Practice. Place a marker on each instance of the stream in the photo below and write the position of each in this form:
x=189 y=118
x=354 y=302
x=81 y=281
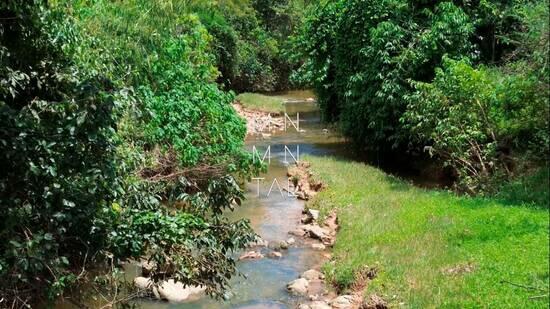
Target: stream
x=262 y=283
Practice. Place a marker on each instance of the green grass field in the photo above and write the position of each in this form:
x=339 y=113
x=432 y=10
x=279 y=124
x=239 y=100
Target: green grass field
x=260 y=102
x=433 y=249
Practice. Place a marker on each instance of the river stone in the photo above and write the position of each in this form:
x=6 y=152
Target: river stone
x=313 y=213
x=291 y=241
x=304 y=306
x=313 y=297
x=318 y=246
x=320 y=305
x=275 y=255
x=317 y=232
x=312 y=274
x=251 y=255
x=260 y=242
x=342 y=302
x=143 y=283
x=298 y=286
x=298 y=232
x=283 y=245
x=176 y=292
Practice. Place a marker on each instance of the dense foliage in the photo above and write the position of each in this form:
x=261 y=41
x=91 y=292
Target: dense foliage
x=378 y=68
x=250 y=38
x=116 y=143
x=57 y=152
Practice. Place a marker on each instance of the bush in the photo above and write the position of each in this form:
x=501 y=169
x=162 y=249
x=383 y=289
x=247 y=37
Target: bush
x=57 y=150
x=100 y=133
x=359 y=56
x=378 y=70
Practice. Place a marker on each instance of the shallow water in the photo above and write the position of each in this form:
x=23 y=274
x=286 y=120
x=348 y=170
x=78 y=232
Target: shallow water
x=262 y=283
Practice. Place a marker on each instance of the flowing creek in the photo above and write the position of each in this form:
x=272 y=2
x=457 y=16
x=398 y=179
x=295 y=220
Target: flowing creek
x=262 y=282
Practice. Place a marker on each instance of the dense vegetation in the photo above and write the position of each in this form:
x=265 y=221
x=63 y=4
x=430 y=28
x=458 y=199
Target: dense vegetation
x=250 y=39
x=465 y=80
x=431 y=249
x=118 y=143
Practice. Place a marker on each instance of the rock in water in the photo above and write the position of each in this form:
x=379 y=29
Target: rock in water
x=259 y=242
x=312 y=274
x=298 y=286
x=298 y=232
x=143 y=283
x=275 y=255
x=290 y=241
x=175 y=292
x=283 y=245
x=169 y=290
x=319 y=305
x=251 y=255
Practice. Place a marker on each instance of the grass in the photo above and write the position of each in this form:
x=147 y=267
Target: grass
x=260 y=102
x=414 y=236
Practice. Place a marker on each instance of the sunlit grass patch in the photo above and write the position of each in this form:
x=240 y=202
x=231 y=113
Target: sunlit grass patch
x=432 y=248
x=261 y=102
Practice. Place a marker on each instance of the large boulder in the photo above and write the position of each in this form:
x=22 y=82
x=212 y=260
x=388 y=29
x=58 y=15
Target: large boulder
x=298 y=286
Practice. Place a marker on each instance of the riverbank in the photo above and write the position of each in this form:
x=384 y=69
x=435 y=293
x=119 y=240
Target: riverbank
x=427 y=248
x=261 y=103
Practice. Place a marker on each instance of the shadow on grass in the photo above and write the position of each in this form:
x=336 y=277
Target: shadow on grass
x=532 y=190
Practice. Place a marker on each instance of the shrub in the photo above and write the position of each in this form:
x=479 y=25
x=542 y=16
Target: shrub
x=57 y=150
